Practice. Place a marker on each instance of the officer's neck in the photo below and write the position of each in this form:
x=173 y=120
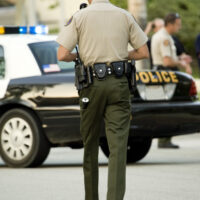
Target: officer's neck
x=169 y=30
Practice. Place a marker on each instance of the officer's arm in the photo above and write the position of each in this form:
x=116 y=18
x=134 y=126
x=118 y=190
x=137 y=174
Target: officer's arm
x=65 y=55
x=138 y=54
x=169 y=62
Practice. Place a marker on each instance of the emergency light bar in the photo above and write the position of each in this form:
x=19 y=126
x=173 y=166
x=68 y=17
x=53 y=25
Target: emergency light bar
x=40 y=29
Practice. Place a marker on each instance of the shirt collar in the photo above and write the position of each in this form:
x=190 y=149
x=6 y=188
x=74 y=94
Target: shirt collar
x=165 y=31
x=100 y=1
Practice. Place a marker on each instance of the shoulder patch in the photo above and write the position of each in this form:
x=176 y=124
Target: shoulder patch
x=166 y=42
x=69 y=21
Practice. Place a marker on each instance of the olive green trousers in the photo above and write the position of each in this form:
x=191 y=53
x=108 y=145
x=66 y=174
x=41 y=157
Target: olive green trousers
x=109 y=100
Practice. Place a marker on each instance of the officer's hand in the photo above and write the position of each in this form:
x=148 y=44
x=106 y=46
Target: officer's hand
x=186 y=58
x=188 y=69
x=182 y=64
x=148 y=27
x=186 y=66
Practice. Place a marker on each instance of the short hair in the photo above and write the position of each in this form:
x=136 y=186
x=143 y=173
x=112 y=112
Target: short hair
x=157 y=22
x=171 y=18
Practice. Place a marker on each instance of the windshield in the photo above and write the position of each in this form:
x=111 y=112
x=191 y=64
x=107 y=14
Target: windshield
x=45 y=54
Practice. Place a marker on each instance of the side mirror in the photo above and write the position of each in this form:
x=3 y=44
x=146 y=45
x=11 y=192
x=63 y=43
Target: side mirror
x=1 y=54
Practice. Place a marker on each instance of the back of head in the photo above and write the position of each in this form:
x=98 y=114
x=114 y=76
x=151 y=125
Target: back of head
x=171 y=18
x=158 y=23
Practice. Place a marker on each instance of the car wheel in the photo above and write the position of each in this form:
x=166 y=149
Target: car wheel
x=136 y=149
x=22 y=142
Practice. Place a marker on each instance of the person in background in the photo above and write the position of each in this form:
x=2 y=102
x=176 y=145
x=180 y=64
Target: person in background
x=165 y=57
x=197 y=47
x=154 y=26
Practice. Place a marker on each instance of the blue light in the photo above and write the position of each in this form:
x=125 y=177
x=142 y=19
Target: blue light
x=40 y=29
x=23 y=29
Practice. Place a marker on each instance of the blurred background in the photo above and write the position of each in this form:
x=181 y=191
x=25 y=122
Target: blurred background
x=55 y=14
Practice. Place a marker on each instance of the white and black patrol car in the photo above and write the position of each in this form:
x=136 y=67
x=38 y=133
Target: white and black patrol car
x=39 y=103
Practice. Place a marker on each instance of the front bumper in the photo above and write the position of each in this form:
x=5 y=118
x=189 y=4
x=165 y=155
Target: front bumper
x=165 y=119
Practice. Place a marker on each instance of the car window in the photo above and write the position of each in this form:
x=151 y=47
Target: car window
x=45 y=54
x=2 y=63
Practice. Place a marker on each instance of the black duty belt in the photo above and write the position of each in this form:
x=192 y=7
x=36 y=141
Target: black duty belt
x=101 y=70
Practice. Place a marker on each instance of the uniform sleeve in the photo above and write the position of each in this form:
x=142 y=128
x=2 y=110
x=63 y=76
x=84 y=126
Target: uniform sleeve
x=137 y=38
x=165 y=47
x=68 y=37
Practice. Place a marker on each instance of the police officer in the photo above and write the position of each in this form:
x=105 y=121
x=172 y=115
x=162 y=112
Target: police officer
x=154 y=26
x=163 y=49
x=164 y=54
x=158 y=24
x=102 y=32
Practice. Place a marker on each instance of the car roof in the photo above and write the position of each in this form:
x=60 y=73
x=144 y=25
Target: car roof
x=23 y=63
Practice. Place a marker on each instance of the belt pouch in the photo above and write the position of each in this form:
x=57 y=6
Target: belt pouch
x=100 y=71
x=118 y=68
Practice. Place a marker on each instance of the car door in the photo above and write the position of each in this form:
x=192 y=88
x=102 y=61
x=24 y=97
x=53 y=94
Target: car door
x=58 y=103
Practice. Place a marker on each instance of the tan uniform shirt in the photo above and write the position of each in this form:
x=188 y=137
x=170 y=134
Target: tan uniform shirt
x=162 y=44
x=102 y=32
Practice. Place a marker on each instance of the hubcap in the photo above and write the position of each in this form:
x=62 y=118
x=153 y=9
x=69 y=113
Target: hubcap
x=16 y=138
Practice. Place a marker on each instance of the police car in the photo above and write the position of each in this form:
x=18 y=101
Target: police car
x=39 y=103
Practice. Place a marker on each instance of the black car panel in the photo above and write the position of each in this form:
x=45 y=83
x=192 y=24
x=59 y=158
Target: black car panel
x=38 y=92
x=55 y=100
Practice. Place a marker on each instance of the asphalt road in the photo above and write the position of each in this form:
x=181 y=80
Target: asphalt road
x=162 y=175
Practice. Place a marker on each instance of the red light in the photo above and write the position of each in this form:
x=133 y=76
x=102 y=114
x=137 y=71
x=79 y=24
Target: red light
x=193 y=89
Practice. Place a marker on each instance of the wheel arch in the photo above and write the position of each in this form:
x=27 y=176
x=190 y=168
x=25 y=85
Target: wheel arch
x=11 y=105
x=23 y=105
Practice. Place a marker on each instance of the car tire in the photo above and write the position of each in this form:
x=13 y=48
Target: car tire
x=22 y=141
x=136 y=149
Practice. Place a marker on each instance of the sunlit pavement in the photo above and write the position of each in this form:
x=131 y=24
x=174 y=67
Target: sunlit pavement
x=162 y=175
